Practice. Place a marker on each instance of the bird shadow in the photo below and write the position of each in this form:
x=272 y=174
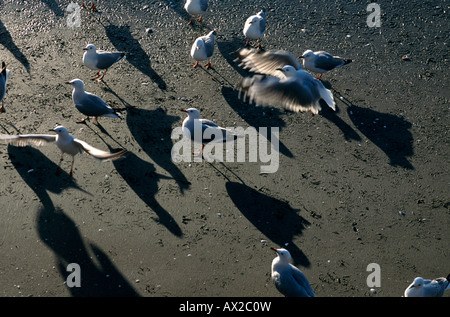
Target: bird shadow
x=276 y=219
x=123 y=40
x=142 y=178
x=55 y=7
x=257 y=116
x=60 y=233
x=227 y=50
x=389 y=132
x=7 y=41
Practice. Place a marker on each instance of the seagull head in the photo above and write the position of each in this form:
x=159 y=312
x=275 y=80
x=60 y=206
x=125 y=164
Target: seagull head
x=90 y=48
x=192 y=113
x=307 y=54
x=60 y=130
x=283 y=254
x=76 y=83
x=199 y=43
x=417 y=283
x=254 y=20
x=288 y=70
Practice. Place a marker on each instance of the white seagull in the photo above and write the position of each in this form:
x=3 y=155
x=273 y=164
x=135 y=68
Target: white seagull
x=254 y=27
x=66 y=142
x=322 y=62
x=4 y=76
x=89 y=104
x=265 y=62
x=295 y=90
x=193 y=125
x=288 y=279
x=421 y=287
x=100 y=60
x=196 y=7
x=203 y=49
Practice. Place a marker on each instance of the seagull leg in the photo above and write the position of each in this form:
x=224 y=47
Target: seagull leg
x=96 y=120
x=208 y=65
x=71 y=167
x=192 y=18
x=320 y=76
x=259 y=44
x=58 y=170
x=93 y=7
x=200 y=152
x=83 y=5
x=195 y=64
x=247 y=43
x=200 y=18
x=2 y=109
x=83 y=120
x=96 y=76
x=101 y=77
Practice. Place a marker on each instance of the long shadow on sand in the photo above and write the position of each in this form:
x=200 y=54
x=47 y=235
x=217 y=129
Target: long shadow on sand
x=256 y=116
x=152 y=130
x=60 y=233
x=7 y=41
x=55 y=7
x=389 y=132
x=123 y=40
x=278 y=221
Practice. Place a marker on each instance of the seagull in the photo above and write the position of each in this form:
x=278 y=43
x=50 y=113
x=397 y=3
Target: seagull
x=92 y=7
x=203 y=49
x=90 y=104
x=100 y=60
x=196 y=7
x=265 y=62
x=66 y=142
x=288 y=279
x=421 y=287
x=254 y=27
x=4 y=75
x=322 y=62
x=193 y=125
x=295 y=90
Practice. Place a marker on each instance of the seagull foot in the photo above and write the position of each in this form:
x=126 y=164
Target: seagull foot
x=199 y=19
x=195 y=64
x=208 y=65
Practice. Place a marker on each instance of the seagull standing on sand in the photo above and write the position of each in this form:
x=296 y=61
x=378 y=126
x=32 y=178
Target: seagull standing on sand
x=66 y=142
x=4 y=75
x=421 y=287
x=196 y=7
x=193 y=125
x=89 y=104
x=288 y=279
x=100 y=60
x=295 y=90
x=265 y=62
x=203 y=49
x=254 y=27
x=322 y=62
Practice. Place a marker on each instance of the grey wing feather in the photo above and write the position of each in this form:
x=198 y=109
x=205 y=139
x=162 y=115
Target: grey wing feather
x=92 y=105
x=28 y=139
x=266 y=62
x=327 y=61
x=204 y=5
x=290 y=94
x=99 y=154
x=107 y=59
x=303 y=281
x=209 y=47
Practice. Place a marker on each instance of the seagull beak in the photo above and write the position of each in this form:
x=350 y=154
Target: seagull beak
x=301 y=56
x=84 y=49
x=273 y=249
x=280 y=69
x=67 y=82
x=184 y=110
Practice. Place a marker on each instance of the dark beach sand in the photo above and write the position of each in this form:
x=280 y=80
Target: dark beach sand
x=368 y=183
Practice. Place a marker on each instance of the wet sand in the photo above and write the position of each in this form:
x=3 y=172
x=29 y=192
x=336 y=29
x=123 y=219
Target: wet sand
x=366 y=184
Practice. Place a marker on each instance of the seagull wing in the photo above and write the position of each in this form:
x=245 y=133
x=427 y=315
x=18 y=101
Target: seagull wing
x=327 y=62
x=266 y=62
x=28 y=139
x=98 y=154
x=107 y=59
x=302 y=281
x=289 y=93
